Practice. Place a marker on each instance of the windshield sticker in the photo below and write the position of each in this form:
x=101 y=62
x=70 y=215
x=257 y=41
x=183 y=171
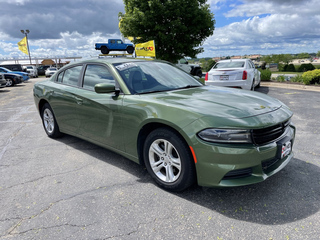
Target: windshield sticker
x=125 y=66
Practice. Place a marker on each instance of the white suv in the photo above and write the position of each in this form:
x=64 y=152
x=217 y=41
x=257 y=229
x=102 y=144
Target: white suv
x=32 y=71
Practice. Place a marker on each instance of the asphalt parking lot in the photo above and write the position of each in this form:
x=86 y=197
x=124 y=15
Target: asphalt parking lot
x=72 y=189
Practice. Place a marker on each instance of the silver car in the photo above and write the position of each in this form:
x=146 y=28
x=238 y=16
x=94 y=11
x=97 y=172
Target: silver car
x=239 y=73
x=50 y=71
x=32 y=71
x=3 y=81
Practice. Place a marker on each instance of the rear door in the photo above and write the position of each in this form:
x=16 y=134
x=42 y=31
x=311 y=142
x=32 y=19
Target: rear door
x=64 y=100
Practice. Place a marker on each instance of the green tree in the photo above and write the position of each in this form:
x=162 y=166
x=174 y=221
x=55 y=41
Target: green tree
x=178 y=27
x=318 y=54
x=277 y=58
x=303 y=55
x=207 y=64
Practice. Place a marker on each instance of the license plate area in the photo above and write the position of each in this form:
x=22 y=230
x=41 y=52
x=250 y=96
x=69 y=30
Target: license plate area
x=224 y=77
x=284 y=147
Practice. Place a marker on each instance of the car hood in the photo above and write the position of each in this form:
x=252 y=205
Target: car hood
x=12 y=74
x=19 y=73
x=217 y=101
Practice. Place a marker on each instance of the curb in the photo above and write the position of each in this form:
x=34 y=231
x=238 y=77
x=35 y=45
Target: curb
x=290 y=86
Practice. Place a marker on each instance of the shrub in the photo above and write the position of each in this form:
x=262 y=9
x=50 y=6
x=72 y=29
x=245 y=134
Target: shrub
x=289 y=68
x=281 y=78
x=265 y=74
x=306 y=67
x=311 y=77
x=281 y=67
x=297 y=78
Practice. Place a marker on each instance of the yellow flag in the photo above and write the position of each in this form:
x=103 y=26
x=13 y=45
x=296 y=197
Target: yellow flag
x=23 y=45
x=146 y=49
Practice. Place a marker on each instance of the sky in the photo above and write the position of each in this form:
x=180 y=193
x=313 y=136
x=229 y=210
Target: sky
x=70 y=28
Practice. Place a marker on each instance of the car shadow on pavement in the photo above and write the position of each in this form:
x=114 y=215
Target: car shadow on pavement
x=288 y=196
x=264 y=90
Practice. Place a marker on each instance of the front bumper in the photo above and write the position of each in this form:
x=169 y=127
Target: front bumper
x=226 y=165
x=3 y=83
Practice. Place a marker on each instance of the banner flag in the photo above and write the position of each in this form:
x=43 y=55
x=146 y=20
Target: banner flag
x=23 y=45
x=146 y=49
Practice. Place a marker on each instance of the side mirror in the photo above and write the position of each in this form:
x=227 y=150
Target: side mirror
x=104 y=88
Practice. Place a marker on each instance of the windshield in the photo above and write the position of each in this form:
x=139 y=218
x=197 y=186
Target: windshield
x=146 y=77
x=237 y=64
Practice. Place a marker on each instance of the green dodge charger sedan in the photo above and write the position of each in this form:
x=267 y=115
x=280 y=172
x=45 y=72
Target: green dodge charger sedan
x=159 y=116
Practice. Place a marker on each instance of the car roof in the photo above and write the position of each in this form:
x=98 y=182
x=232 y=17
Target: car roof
x=113 y=60
x=234 y=60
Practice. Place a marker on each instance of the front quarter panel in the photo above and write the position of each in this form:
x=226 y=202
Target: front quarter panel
x=137 y=113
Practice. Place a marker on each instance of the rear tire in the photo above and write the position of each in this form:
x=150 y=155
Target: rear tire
x=252 y=86
x=49 y=122
x=104 y=50
x=168 y=160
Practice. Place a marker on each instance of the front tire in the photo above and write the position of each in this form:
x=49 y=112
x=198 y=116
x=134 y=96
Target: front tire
x=130 y=50
x=9 y=82
x=49 y=122
x=168 y=160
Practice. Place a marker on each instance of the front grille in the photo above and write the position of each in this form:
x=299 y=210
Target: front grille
x=239 y=173
x=269 y=134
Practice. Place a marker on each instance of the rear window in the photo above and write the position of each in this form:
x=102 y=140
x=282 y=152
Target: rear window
x=237 y=64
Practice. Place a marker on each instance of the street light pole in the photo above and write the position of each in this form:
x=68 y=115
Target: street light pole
x=26 y=33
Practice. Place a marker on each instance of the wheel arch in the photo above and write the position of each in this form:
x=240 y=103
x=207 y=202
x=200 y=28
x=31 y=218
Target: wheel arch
x=148 y=128
x=41 y=103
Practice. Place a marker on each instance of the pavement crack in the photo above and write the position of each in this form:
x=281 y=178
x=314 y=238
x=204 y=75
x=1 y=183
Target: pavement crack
x=47 y=176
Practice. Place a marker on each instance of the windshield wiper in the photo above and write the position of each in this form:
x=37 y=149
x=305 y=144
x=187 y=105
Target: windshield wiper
x=155 y=91
x=188 y=86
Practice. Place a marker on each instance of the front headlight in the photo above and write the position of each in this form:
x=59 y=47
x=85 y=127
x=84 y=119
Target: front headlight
x=225 y=135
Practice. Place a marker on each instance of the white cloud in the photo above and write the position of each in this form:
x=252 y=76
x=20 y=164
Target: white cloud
x=289 y=27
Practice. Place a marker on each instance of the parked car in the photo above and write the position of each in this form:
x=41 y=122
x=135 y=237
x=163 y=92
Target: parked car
x=239 y=73
x=3 y=82
x=42 y=69
x=32 y=71
x=24 y=75
x=50 y=71
x=193 y=69
x=162 y=117
x=11 y=78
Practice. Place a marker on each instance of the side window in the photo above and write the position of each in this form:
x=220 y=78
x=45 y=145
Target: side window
x=71 y=76
x=96 y=74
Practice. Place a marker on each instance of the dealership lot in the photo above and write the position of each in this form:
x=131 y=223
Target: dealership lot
x=72 y=189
